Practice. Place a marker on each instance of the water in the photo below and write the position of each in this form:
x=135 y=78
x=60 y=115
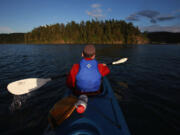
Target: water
x=147 y=86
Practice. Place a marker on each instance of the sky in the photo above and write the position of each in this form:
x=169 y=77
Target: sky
x=147 y=15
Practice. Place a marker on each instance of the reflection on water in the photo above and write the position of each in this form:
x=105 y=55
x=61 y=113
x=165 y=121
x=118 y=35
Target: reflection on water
x=147 y=86
x=17 y=102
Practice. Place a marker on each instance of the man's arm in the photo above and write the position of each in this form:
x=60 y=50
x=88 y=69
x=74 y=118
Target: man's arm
x=71 y=78
x=103 y=69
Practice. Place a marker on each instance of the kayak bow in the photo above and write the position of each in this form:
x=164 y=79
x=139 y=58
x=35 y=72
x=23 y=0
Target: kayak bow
x=103 y=116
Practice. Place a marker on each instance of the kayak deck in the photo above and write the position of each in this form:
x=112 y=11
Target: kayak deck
x=103 y=116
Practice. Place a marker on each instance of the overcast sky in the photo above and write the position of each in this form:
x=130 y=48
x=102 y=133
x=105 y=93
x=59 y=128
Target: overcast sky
x=148 y=15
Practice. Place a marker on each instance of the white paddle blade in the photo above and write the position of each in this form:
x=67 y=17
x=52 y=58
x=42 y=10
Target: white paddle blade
x=120 y=61
x=26 y=85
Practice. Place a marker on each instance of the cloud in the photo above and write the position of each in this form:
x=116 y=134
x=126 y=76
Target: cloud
x=149 y=14
x=158 y=28
x=165 y=18
x=152 y=15
x=133 y=17
x=96 y=11
x=95 y=5
x=153 y=20
x=5 y=30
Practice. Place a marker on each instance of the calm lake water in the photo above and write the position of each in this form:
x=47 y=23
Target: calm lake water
x=147 y=86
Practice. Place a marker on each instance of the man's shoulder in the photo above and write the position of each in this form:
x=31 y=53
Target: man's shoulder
x=75 y=66
x=101 y=65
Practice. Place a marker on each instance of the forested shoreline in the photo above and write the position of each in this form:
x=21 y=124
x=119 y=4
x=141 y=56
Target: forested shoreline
x=163 y=37
x=94 y=31
x=12 y=38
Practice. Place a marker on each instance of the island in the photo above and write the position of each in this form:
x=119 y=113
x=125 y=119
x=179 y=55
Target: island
x=90 y=32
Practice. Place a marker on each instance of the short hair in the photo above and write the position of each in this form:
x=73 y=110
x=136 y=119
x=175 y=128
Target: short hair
x=89 y=51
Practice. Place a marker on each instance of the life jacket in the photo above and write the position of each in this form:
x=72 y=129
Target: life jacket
x=88 y=78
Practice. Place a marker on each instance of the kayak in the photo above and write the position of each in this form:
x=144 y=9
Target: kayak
x=103 y=116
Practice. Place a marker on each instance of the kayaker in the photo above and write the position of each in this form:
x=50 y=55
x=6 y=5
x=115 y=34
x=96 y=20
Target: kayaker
x=85 y=77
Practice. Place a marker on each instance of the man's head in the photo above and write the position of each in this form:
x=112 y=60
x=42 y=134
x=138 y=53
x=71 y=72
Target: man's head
x=89 y=51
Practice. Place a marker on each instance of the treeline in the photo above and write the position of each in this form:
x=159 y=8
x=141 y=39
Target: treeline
x=98 y=32
x=163 y=37
x=12 y=38
x=94 y=31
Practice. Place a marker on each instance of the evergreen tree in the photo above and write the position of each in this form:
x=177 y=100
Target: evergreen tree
x=94 y=31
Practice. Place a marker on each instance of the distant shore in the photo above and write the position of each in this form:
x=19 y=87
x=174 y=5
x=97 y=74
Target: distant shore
x=85 y=32
x=113 y=32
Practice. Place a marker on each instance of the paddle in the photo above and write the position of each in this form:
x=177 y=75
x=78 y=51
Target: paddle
x=62 y=110
x=25 y=86
x=118 y=61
